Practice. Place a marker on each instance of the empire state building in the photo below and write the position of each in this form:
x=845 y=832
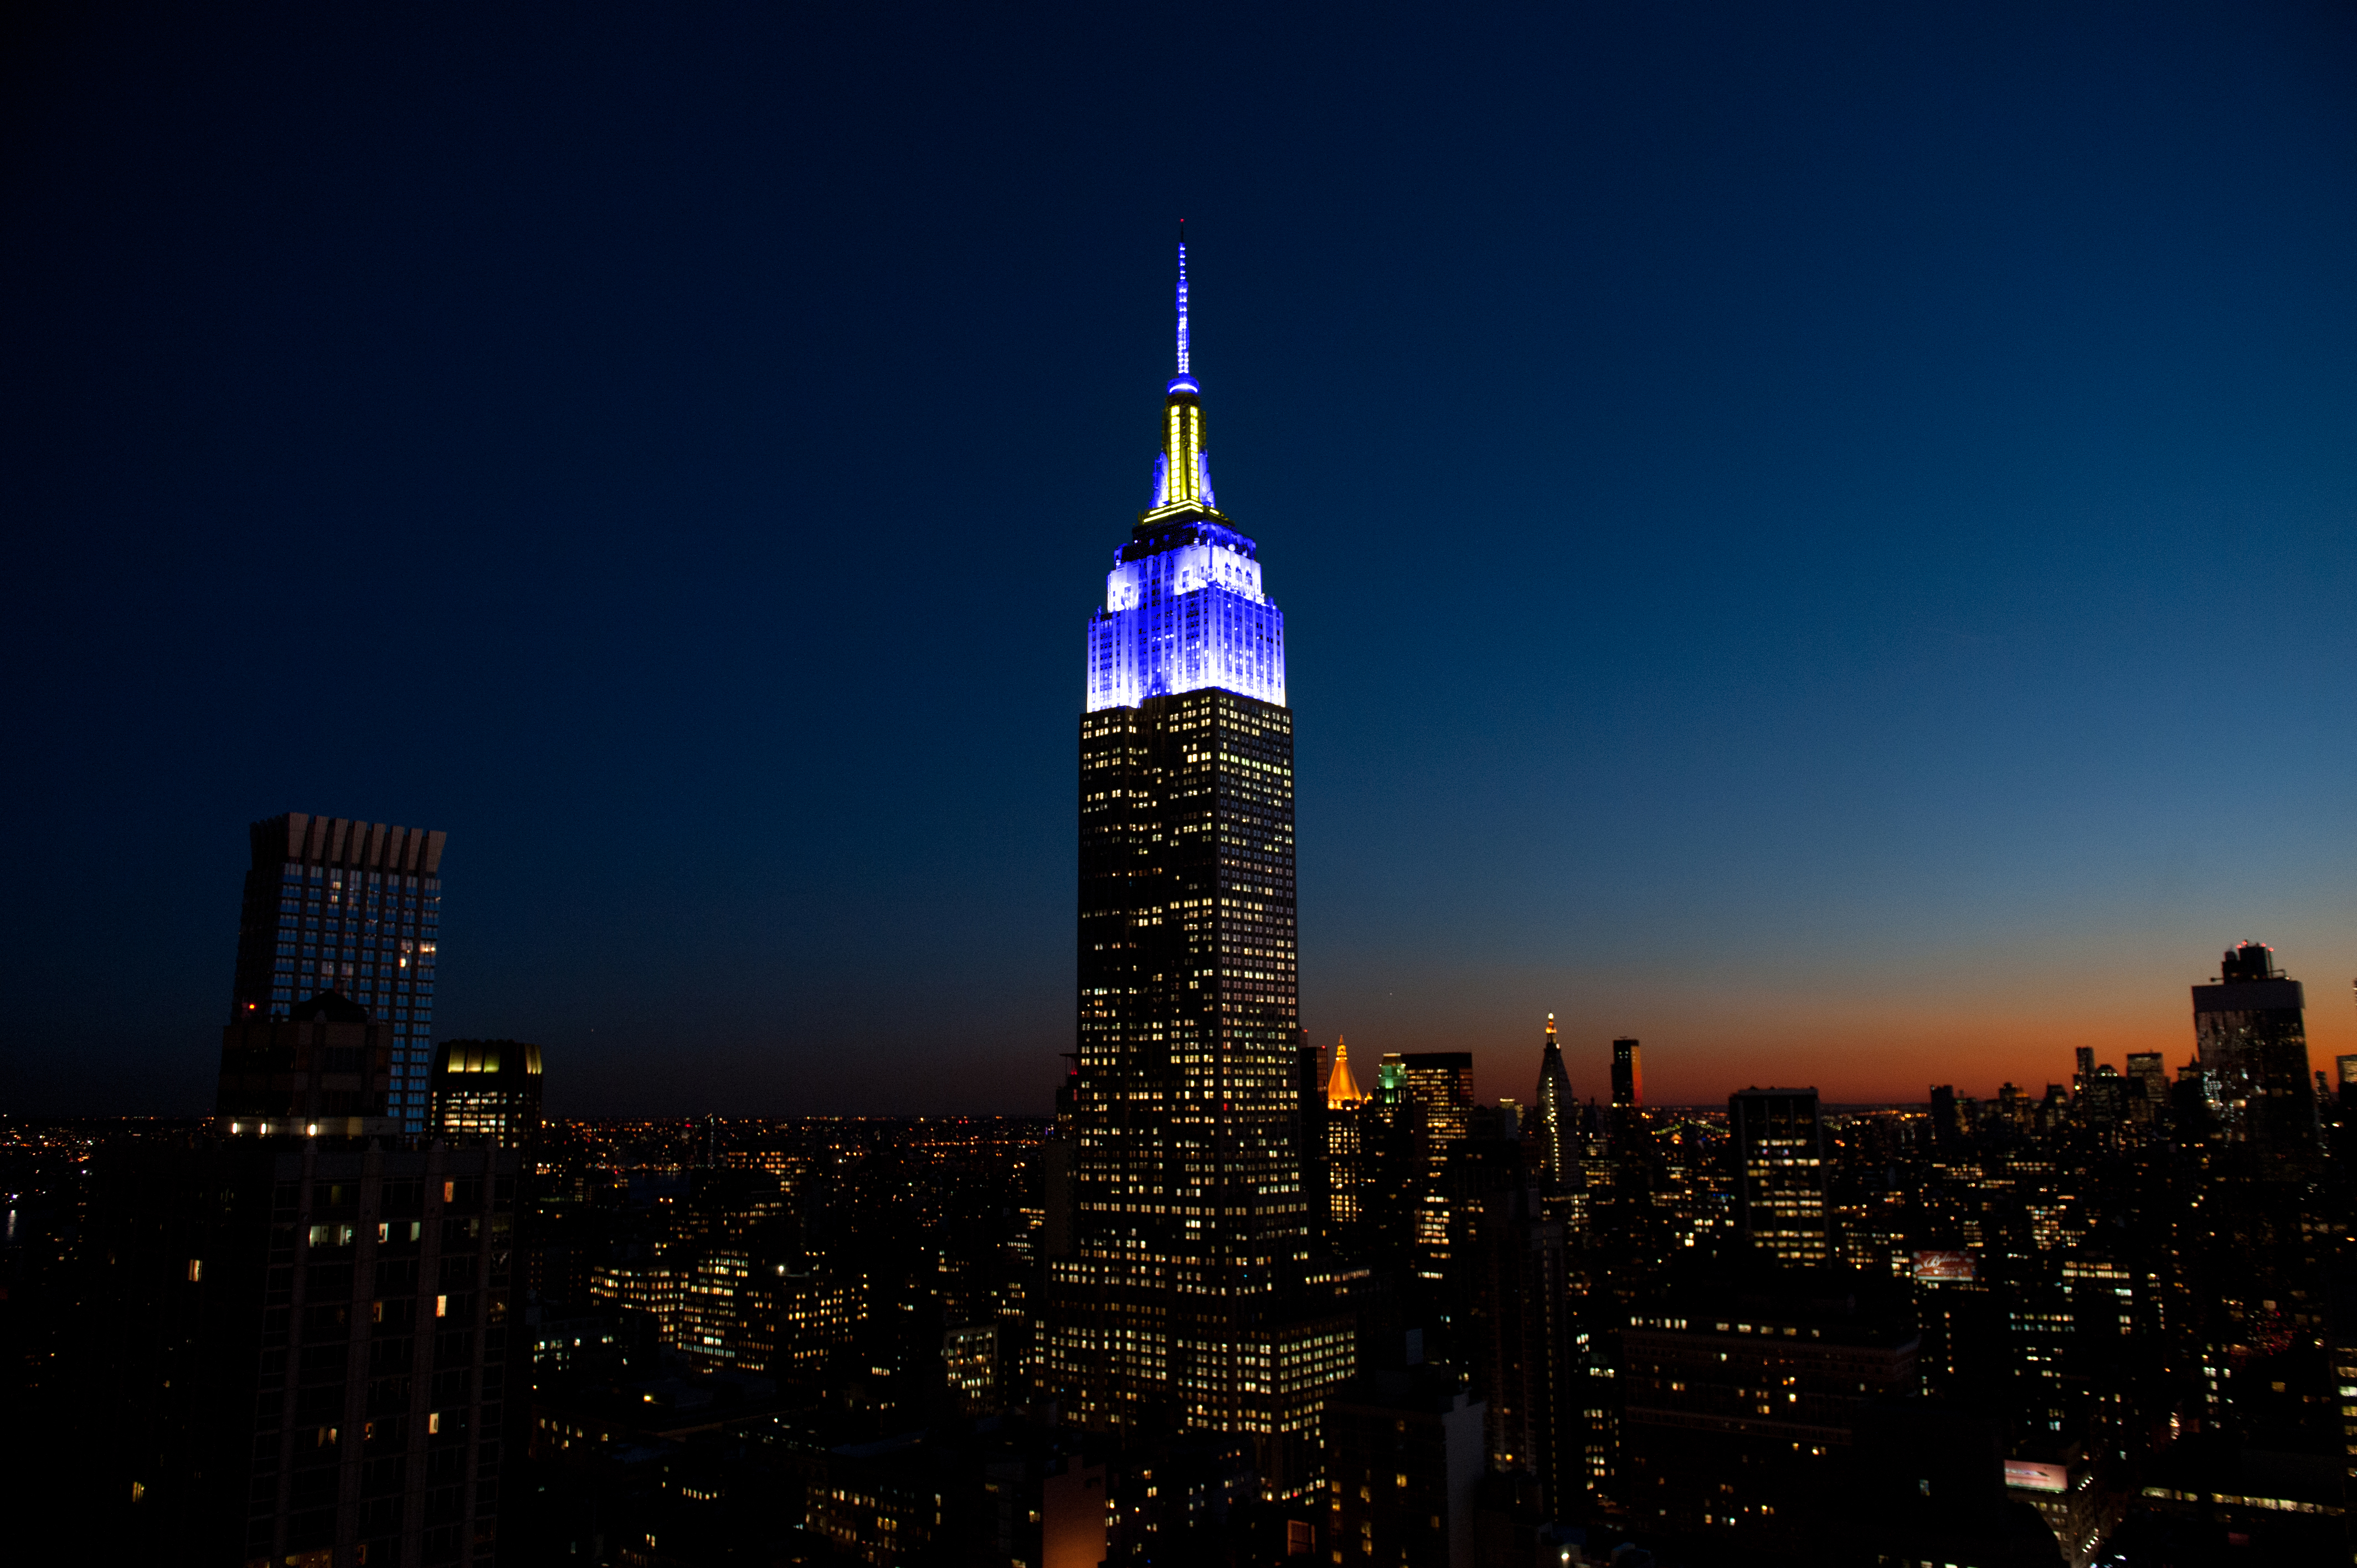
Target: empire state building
x=1183 y=1298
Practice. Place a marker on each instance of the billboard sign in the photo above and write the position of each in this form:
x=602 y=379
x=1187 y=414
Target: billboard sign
x=1937 y=1266
x=2029 y=1476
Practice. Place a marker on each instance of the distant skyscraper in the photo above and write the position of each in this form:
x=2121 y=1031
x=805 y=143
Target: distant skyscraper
x=1342 y=1090
x=1347 y=1169
x=1191 y=1224
x=2250 y=1026
x=2148 y=1070
x=1627 y=1090
x=352 y=908
x=1552 y=1114
x=486 y=1088
x=1780 y=1151
x=1628 y=1076
x=2348 y=1083
x=1440 y=1101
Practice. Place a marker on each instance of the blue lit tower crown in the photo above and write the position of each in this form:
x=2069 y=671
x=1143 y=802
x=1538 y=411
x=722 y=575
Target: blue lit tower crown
x=1183 y=607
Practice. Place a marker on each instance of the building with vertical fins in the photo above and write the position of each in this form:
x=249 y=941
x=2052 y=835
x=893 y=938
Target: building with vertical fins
x=352 y=908
x=1180 y=1298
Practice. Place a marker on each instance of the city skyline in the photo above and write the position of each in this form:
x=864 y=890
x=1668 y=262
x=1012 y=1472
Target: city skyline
x=1772 y=557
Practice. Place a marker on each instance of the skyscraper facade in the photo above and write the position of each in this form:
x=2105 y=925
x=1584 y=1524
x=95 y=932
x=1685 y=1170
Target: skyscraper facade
x=486 y=1088
x=1780 y=1154
x=2250 y=1025
x=352 y=908
x=1182 y=1296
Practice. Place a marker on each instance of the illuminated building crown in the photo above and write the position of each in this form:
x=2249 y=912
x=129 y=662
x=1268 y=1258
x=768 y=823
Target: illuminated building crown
x=1341 y=1088
x=1183 y=607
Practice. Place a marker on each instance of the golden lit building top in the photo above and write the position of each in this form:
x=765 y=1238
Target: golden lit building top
x=1341 y=1088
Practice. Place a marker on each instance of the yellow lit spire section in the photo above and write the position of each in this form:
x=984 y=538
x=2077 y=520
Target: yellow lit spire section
x=1341 y=1089
x=1182 y=475
x=1182 y=451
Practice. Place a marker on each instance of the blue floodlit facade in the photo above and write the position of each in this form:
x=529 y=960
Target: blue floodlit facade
x=1184 y=608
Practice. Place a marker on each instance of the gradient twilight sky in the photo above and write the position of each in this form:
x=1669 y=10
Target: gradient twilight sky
x=1823 y=537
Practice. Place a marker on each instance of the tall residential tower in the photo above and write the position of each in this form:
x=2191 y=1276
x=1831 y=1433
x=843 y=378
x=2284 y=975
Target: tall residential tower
x=352 y=908
x=1182 y=1297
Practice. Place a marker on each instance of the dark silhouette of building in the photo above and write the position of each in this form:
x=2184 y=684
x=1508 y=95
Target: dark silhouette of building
x=352 y=908
x=1510 y=1316
x=1310 y=1136
x=1180 y=1300
x=1627 y=1095
x=300 y=1313
x=322 y=1068
x=486 y=1088
x=1404 y=1464
x=305 y=1345
x=2250 y=1027
x=1742 y=1389
x=1780 y=1163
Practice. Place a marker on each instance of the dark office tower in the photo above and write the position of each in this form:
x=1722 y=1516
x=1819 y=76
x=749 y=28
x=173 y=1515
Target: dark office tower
x=2151 y=1076
x=2254 y=1045
x=2084 y=1068
x=1511 y=1315
x=1779 y=1150
x=324 y=1070
x=1190 y=1217
x=1628 y=1085
x=486 y=1088
x=2348 y=1083
x=1310 y=1131
x=1552 y=1116
x=351 y=907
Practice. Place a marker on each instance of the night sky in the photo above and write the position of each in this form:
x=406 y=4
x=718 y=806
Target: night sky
x=1824 y=538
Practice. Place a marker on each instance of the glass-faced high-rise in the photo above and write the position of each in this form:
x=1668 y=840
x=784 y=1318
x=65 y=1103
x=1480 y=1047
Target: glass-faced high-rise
x=1181 y=1294
x=352 y=908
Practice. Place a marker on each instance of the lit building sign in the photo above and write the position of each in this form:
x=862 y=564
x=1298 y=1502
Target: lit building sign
x=2031 y=1476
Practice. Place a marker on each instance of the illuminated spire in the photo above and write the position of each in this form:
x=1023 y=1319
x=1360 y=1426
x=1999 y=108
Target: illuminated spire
x=1182 y=297
x=1182 y=474
x=1343 y=1091
x=1552 y=1123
